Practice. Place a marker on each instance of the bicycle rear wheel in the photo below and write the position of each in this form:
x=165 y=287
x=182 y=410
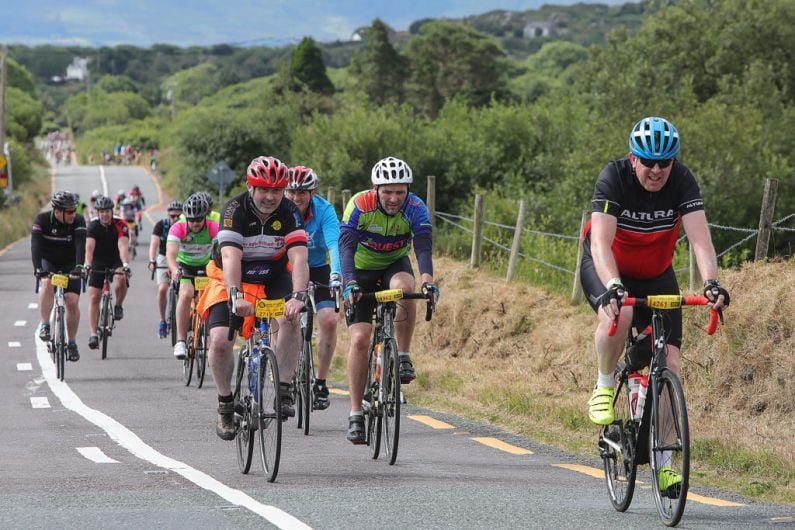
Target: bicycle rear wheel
x=617 y=449
x=669 y=446
x=60 y=341
x=201 y=354
x=372 y=408
x=390 y=379
x=244 y=420
x=269 y=413
x=104 y=324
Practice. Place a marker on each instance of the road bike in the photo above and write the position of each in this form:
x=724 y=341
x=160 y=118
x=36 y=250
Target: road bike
x=197 y=338
x=58 y=338
x=258 y=404
x=382 y=397
x=658 y=434
x=107 y=320
x=304 y=376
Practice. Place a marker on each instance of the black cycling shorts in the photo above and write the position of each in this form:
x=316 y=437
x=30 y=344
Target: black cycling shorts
x=371 y=281
x=74 y=285
x=278 y=287
x=95 y=279
x=321 y=275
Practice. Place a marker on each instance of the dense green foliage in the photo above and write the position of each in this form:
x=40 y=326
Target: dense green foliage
x=455 y=104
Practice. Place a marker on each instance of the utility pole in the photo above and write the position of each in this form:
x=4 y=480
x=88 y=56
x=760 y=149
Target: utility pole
x=3 y=74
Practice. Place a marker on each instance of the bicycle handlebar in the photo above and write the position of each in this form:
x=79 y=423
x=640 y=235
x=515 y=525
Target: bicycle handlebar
x=236 y=321
x=671 y=302
x=429 y=307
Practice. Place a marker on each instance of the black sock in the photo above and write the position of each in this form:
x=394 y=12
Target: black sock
x=226 y=399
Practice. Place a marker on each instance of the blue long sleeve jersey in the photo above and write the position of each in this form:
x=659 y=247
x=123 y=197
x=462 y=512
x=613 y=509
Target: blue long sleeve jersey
x=322 y=235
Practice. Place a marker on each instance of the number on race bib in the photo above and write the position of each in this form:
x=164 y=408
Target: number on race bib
x=270 y=308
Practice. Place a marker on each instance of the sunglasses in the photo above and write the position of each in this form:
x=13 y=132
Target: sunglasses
x=649 y=163
x=195 y=219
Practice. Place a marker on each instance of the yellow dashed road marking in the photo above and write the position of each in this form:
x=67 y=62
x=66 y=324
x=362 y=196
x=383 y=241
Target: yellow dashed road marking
x=710 y=500
x=590 y=471
x=502 y=446
x=338 y=391
x=431 y=422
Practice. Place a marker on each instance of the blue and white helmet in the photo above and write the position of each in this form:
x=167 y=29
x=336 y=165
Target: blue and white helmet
x=654 y=138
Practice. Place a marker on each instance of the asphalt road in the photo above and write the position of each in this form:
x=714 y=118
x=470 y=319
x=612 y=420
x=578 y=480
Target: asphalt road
x=122 y=443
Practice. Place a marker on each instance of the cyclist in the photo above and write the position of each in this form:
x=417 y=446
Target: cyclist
x=82 y=209
x=58 y=244
x=139 y=203
x=188 y=249
x=638 y=206
x=261 y=230
x=92 y=209
x=214 y=215
x=158 y=262
x=376 y=232
x=322 y=237
x=120 y=196
x=106 y=248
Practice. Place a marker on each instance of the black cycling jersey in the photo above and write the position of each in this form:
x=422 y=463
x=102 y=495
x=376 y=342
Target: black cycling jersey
x=161 y=230
x=648 y=222
x=264 y=244
x=61 y=244
x=106 y=249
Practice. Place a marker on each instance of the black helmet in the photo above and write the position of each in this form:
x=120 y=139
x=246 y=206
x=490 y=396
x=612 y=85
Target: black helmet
x=196 y=205
x=174 y=205
x=103 y=203
x=63 y=200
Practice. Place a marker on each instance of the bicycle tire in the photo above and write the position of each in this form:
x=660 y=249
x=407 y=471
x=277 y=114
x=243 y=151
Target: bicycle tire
x=390 y=379
x=372 y=408
x=172 y=314
x=60 y=335
x=187 y=362
x=201 y=355
x=104 y=325
x=269 y=413
x=620 y=466
x=244 y=404
x=674 y=437
x=305 y=390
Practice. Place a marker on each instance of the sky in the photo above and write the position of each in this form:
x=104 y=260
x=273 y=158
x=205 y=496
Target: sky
x=207 y=22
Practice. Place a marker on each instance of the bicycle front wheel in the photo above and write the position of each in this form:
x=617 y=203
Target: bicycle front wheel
x=390 y=380
x=172 y=314
x=104 y=324
x=187 y=362
x=269 y=407
x=201 y=355
x=60 y=341
x=669 y=448
x=244 y=420
x=304 y=377
x=372 y=408
x=617 y=449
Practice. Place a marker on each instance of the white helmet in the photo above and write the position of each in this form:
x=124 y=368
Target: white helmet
x=391 y=170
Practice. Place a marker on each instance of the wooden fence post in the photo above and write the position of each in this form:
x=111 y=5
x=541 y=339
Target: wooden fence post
x=577 y=296
x=766 y=219
x=517 y=240
x=331 y=195
x=346 y=196
x=430 y=199
x=477 y=232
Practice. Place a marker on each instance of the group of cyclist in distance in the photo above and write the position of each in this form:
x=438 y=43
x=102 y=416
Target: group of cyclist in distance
x=278 y=235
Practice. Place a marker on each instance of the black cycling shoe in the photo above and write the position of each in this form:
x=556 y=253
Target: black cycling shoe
x=71 y=352
x=407 y=373
x=356 y=433
x=321 y=401
x=288 y=404
x=44 y=332
x=118 y=312
x=93 y=342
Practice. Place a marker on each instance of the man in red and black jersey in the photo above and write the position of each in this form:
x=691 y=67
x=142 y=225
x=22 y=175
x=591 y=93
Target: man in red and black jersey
x=57 y=244
x=106 y=248
x=260 y=232
x=639 y=204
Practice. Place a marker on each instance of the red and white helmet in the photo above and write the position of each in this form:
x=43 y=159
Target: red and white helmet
x=267 y=172
x=303 y=178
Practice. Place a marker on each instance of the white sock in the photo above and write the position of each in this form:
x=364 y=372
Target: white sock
x=356 y=413
x=605 y=381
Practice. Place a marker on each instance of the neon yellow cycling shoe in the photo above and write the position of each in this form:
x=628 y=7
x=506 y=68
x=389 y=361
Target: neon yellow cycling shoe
x=669 y=482
x=600 y=406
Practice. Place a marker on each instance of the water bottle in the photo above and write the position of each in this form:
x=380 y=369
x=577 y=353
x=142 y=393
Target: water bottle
x=644 y=384
x=634 y=382
x=253 y=372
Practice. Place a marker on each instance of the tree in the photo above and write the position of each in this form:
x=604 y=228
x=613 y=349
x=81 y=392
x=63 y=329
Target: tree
x=451 y=60
x=378 y=68
x=308 y=68
x=116 y=83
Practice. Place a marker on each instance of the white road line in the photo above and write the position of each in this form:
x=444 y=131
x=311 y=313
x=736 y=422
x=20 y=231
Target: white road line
x=33 y=305
x=24 y=367
x=20 y=323
x=14 y=344
x=38 y=402
x=130 y=441
x=104 y=181
x=95 y=454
